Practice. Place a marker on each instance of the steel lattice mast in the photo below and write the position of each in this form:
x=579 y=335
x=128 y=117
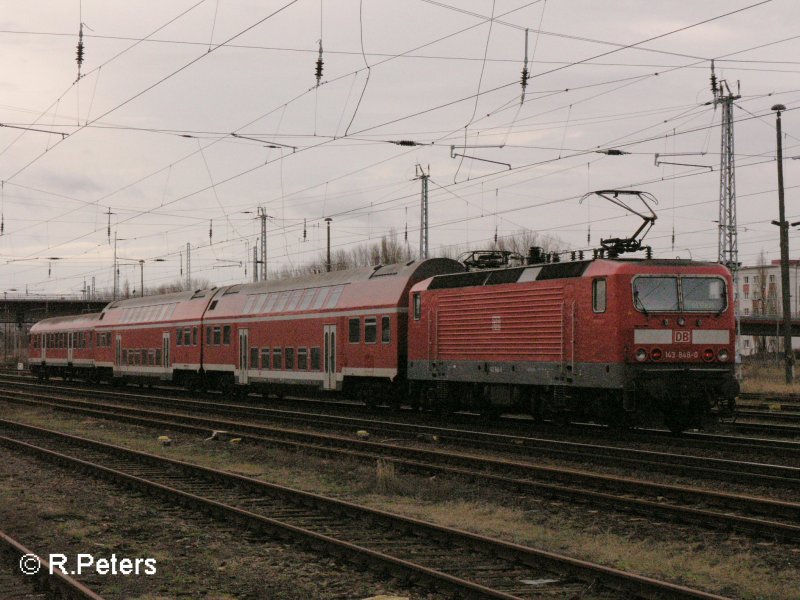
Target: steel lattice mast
x=728 y=246
x=728 y=249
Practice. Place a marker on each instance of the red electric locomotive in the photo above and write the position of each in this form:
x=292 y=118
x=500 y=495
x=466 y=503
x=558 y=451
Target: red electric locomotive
x=603 y=339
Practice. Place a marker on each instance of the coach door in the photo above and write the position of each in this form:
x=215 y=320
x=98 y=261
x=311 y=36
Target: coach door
x=329 y=383
x=70 y=343
x=243 y=355
x=44 y=337
x=165 y=357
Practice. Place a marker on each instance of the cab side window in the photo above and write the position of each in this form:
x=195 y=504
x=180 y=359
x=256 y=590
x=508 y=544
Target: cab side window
x=599 y=295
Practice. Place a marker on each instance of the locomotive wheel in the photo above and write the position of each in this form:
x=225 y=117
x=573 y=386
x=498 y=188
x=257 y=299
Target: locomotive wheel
x=678 y=419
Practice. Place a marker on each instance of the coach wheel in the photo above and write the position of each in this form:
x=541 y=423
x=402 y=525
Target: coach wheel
x=537 y=410
x=225 y=386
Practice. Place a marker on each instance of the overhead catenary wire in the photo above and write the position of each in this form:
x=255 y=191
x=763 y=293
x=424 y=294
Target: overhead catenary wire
x=562 y=144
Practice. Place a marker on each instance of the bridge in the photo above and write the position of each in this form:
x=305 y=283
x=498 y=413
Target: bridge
x=26 y=310
x=771 y=325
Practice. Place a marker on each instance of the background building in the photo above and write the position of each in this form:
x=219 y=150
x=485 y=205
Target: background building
x=759 y=294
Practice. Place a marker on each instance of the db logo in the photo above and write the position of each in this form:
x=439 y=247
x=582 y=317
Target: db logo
x=682 y=337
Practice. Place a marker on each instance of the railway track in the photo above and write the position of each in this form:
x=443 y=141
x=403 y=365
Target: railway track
x=466 y=564
x=39 y=584
x=518 y=445
x=509 y=424
x=755 y=516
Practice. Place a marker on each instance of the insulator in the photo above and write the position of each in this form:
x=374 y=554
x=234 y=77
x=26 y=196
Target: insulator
x=320 y=62
x=318 y=70
x=648 y=252
x=580 y=254
x=556 y=257
x=524 y=81
x=406 y=143
x=572 y=255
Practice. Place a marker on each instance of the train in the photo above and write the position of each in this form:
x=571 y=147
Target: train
x=619 y=341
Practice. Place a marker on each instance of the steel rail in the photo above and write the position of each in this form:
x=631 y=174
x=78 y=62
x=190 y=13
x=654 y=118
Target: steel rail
x=485 y=470
x=674 y=463
x=517 y=554
x=56 y=585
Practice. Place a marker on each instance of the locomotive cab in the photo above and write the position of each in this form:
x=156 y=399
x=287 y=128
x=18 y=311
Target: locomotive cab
x=681 y=351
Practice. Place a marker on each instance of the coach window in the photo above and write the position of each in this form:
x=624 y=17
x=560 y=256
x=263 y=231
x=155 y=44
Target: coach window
x=179 y=337
x=217 y=336
x=276 y=358
x=355 y=330
x=226 y=335
x=187 y=337
x=417 y=306
x=208 y=336
x=308 y=295
x=315 y=362
x=370 y=330
x=302 y=359
x=599 y=295
x=253 y=358
x=158 y=357
x=194 y=336
x=289 y=358
x=265 y=358
x=386 y=330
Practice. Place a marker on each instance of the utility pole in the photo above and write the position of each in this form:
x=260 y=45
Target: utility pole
x=262 y=214
x=423 y=221
x=141 y=277
x=188 y=266
x=116 y=268
x=783 y=224
x=255 y=264
x=328 y=261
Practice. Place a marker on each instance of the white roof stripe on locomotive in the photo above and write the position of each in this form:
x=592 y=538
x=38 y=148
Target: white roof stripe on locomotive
x=652 y=336
x=711 y=336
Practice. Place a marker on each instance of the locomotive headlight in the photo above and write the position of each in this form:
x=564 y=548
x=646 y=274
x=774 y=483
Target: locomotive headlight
x=708 y=355
x=722 y=355
x=656 y=354
x=641 y=355
x=681 y=321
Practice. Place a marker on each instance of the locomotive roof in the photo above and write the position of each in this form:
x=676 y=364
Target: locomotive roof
x=559 y=270
x=66 y=323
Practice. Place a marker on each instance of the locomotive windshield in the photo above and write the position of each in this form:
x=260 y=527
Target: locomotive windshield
x=673 y=294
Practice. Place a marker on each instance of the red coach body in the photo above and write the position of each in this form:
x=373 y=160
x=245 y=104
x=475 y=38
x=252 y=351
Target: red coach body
x=63 y=346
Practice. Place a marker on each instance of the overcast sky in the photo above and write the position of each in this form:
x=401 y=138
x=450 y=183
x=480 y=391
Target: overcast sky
x=188 y=115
